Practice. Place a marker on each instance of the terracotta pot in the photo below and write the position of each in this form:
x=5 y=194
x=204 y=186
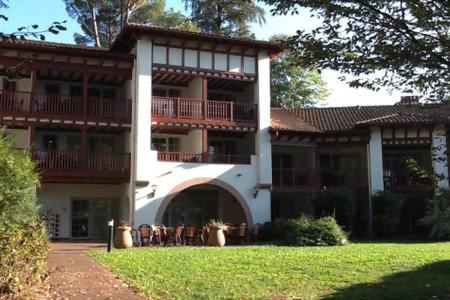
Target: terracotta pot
x=216 y=237
x=123 y=238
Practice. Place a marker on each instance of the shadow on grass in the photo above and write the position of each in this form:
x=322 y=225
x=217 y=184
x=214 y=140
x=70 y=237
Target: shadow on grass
x=431 y=281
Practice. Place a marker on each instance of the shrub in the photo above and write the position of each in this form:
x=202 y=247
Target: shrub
x=271 y=231
x=338 y=203
x=23 y=240
x=438 y=215
x=23 y=252
x=305 y=231
x=387 y=212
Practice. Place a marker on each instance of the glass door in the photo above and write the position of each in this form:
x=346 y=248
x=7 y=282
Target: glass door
x=101 y=212
x=80 y=218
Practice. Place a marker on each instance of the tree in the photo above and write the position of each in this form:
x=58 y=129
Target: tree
x=293 y=86
x=102 y=20
x=227 y=17
x=399 y=44
x=23 y=33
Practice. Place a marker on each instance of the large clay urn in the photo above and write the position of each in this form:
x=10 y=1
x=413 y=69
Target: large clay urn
x=123 y=237
x=216 y=237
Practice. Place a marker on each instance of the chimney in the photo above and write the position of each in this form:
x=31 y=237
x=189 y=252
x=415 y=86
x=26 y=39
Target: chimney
x=409 y=100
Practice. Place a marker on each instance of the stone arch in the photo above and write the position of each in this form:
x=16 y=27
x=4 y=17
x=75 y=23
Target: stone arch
x=199 y=181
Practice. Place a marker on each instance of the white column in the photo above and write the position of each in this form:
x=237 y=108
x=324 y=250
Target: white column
x=439 y=156
x=142 y=114
x=375 y=159
x=263 y=147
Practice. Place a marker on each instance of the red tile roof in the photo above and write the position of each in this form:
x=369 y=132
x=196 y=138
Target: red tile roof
x=129 y=31
x=338 y=119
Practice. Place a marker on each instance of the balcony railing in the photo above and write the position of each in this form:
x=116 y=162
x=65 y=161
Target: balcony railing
x=289 y=178
x=181 y=108
x=401 y=180
x=204 y=158
x=78 y=163
x=39 y=104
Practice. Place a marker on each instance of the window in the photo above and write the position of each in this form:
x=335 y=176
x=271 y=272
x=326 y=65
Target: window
x=282 y=161
x=165 y=144
x=94 y=92
x=52 y=88
x=109 y=93
x=73 y=142
x=222 y=147
x=9 y=85
x=50 y=142
x=101 y=144
x=221 y=97
x=76 y=90
x=166 y=92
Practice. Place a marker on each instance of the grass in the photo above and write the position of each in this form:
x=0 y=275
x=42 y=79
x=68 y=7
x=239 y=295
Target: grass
x=356 y=271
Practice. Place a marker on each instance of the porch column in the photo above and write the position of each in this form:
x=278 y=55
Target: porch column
x=142 y=111
x=31 y=131
x=205 y=97
x=85 y=93
x=204 y=145
x=83 y=150
x=439 y=156
x=375 y=159
x=263 y=148
x=33 y=77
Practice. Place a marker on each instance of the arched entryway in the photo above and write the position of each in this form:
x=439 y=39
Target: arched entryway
x=197 y=201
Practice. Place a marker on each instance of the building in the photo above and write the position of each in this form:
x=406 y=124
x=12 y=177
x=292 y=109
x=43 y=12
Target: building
x=172 y=127
x=165 y=126
x=360 y=148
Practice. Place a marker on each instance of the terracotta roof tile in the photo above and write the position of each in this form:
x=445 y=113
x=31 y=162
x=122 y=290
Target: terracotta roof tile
x=336 y=119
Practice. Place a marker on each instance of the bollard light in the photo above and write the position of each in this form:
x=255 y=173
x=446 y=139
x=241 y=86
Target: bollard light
x=110 y=234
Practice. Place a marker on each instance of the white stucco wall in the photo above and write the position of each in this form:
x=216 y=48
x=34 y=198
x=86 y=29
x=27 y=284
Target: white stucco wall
x=167 y=175
x=57 y=198
x=21 y=137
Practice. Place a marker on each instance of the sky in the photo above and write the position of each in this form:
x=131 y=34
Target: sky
x=43 y=12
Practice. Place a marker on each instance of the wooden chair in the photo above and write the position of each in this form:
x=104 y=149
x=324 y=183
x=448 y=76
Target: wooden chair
x=156 y=235
x=189 y=234
x=201 y=236
x=145 y=234
x=178 y=235
x=228 y=232
x=242 y=232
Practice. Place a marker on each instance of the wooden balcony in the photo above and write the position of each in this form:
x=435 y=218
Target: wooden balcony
x=203 y=111
x=28 y=104
x=288 y=179
x=204 y=158
x=400 y=180
x=78 y=166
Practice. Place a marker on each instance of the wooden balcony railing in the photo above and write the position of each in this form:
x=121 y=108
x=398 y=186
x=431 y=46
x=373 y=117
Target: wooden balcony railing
x=78 y=163
x=316 y=179
x=204 y=158
x=55 y=105
x=401 y=180
x=181 y=108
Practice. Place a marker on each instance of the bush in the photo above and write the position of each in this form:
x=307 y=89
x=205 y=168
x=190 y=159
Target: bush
x=320 y=232
x=23 y=240
x=338 y=203
x=23 y=252
x=387 y=212
x=271 y=231
x=438 y=215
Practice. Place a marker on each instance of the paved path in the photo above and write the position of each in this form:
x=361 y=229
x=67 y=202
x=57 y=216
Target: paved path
x=73 y=275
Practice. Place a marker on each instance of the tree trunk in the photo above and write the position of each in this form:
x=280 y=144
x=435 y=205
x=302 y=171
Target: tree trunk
x=94 y=22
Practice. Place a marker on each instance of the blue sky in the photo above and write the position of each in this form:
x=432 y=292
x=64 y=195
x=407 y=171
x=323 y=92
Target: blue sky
x=43 y=12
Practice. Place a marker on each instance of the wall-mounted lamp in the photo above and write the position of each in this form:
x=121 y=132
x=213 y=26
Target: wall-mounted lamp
x=238 y=175
x=152 y=194
x=255 y=192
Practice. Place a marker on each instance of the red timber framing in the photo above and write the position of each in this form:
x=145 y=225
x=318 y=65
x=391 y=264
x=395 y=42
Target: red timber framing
x=32 y=108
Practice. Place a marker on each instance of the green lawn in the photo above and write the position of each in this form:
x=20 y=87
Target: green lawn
x=356 y=271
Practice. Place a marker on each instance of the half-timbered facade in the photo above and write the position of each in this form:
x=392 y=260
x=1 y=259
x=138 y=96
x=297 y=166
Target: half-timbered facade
x=165 y=126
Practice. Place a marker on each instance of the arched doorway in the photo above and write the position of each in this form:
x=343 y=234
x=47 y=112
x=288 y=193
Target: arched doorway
x=197 y=201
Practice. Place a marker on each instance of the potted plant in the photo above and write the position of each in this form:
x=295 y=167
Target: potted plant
x=216 y=236
x=123 y=237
